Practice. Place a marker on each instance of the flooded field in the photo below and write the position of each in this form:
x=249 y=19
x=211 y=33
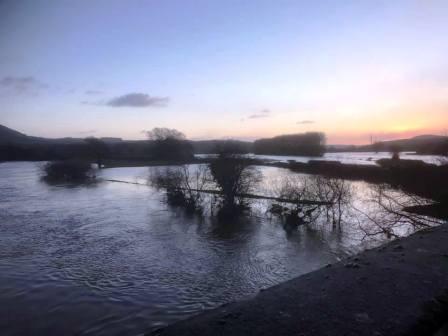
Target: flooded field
x=112 y=258
x=362 y=158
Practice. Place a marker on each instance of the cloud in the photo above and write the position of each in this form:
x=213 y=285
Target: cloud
x=265 y=113
x=93 y=92
x=305 y=122
x=20 y=85
x=137 y=100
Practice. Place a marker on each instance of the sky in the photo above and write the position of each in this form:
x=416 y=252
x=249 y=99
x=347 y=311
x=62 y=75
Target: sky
x=356 y=70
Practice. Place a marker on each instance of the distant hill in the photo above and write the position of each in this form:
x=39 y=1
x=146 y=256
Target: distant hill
x=425 y=144
x=8 y=135
x=281 y=145
x=13 y=137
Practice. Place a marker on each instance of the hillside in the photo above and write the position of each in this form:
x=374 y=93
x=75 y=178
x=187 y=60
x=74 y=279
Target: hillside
x=8 y=135
x=425 y=144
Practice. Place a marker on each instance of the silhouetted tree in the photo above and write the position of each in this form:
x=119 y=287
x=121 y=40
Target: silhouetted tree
x=234 y=176
x=170 y=144
x=183 y=185
x=395 y=151
x=332 y=197
x=390 y=217
x=162 y=133
x=98 y=149
x=337 y=192
x=295 y=188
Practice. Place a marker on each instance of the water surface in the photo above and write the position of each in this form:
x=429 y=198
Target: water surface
x=361 y=158
x=112 y=259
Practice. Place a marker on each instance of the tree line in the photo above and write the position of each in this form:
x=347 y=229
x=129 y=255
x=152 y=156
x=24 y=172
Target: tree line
x=306 y=144
x=162 y=144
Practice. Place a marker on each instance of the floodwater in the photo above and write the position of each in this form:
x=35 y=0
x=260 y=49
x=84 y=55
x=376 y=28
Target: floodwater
x=360 y=158
x=113 y=259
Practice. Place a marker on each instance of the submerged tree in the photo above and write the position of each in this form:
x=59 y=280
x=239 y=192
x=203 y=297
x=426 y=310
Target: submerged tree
x=295 y=189
x=184 y=185
x=234 y=177
x=337 y=192
x=389 y=213
x=309 y=197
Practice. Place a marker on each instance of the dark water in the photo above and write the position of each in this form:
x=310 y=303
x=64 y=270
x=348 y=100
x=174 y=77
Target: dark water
x=112 y=259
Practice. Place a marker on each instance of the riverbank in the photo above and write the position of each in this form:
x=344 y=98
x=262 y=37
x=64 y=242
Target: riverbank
x=397 y=289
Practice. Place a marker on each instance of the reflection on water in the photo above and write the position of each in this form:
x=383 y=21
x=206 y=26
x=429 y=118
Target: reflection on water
x=112 y=259
x=360 y=158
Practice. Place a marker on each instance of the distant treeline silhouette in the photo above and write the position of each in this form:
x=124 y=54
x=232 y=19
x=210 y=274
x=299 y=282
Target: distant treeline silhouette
x=306 y=144
x=163 y=144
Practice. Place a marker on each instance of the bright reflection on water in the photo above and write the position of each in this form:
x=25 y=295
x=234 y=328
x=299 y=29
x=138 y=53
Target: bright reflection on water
x=113 y=259
x=360 y=158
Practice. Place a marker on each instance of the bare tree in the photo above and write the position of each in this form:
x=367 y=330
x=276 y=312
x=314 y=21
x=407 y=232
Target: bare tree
x=170 y=145
x=162 y=133
x=184 y=185
x=295 y=188
x=234 y=177
x=337 y=192
x=98 y=149
x=388 y=215
x=332 y=198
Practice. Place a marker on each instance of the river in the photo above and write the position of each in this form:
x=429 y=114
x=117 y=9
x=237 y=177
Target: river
x=113 y=259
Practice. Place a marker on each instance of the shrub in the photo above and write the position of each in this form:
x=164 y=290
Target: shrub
x=234 y=177
x=68 y=170
x=183 y=187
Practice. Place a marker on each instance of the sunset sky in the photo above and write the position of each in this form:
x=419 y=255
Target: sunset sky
x=225 y=69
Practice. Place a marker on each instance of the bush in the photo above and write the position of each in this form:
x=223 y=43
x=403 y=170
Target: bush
x=183 y=187
x=234 y=177
x=69 y=170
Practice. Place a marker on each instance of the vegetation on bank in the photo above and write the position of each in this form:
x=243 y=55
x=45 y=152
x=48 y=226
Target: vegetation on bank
x=306 y=144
